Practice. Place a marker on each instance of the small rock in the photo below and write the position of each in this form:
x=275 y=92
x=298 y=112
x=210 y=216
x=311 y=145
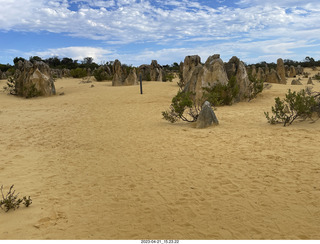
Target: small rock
x=310 y=81
x=206 y=117
x=296 y=82
x=61 y=94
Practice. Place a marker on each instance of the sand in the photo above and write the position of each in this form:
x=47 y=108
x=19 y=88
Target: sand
x=101 y=163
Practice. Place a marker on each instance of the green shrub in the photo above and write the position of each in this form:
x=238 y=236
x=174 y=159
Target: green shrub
x=182 y=107
x=256 y=87
x=11 y=200
x=78 y=73
x=169 y=77
x=316 y=77
x=222 y=94
x=181 y=82
x=302 y=104
x=101 y=74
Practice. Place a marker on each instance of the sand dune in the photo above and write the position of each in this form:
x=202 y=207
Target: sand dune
x=100 y=163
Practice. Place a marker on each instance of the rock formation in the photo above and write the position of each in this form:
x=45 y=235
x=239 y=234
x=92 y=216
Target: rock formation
x=261 y=75
x=189 y=65
x=34 y=79
x=206 y=117
x=3 y=75
x=66 y=73
x=56 y=73
x=299 y=70
x=156 y=72
x=119 y=74
x=192 y=75
x=281 y=71
x=266 y=70
x=287 y=70
x=292 y=71
x=132 y=78
x=310 y=82
x=196 y=76
x=152 y=72
x=273 y=77
x=237 y=68
x=214 y=71
x=296 y=82
x=254 y=71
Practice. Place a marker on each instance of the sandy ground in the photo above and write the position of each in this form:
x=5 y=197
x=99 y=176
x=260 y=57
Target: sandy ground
x=101 y=163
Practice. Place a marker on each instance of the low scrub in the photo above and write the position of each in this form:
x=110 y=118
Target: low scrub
x=182 y=108
x=296 y=105
x=317 y=77
x=78 y=73
x=256 y=87
x=219 y=94
x=101 y=74
x=169 y=77
x=11 y=200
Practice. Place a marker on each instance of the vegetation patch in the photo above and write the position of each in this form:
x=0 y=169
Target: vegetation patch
x=303 y=104
x=11 y=200
x=182 y=108
x=78 y=73
x=100 y=75
x=219 y=94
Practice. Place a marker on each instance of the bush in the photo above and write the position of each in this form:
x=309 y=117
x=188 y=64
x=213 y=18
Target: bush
x=181 y=82
x=11 y=200
x=256 y=87
x=100 y=75
x=222 y=94
x=182 y=107
x=169 y=77
x=301 y=104
x=78 y=73
x=316 y=77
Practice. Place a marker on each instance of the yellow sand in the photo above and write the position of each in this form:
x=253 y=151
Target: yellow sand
x=101 y=163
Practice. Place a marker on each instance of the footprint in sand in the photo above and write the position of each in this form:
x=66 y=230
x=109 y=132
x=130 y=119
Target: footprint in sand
x=52 y=220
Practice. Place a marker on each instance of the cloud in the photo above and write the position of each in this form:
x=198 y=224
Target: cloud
x=128 y=21
x=171 y=26
x=77 y=53
x=282 y=3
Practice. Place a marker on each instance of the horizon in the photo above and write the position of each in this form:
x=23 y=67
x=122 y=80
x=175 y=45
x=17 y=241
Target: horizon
x=138 y=31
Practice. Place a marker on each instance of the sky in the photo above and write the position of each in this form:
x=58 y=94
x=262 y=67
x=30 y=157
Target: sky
x=138 y=31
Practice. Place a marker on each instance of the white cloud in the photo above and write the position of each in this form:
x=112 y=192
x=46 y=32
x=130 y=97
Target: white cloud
x=183 y=27
x=131 y=21
x=76 y=53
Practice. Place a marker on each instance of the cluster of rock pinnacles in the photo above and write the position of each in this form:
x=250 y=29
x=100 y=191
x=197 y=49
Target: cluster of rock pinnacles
x=37 y=76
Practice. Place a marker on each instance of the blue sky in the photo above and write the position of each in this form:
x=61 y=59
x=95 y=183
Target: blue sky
x=138 y=31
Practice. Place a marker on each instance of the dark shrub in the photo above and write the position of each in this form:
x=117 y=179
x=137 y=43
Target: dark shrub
x=78 y=73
